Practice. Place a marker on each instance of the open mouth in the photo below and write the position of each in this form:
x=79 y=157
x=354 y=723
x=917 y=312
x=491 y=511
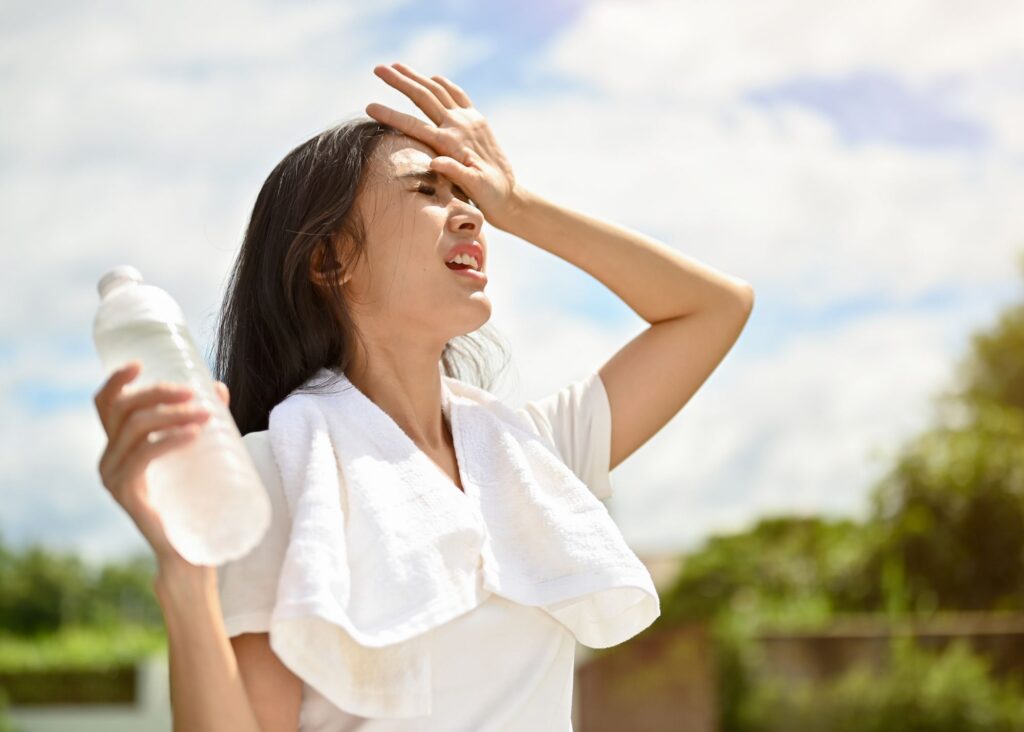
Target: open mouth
x=465 y=260
x=466 y=270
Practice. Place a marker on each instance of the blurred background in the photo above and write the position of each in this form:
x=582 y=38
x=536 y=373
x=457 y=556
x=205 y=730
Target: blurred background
x=853 y=472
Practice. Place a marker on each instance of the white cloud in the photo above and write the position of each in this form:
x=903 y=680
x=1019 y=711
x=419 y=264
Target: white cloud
x=703 y=55
x=714 y=51
x=806 y=429
x=774 y=197
x=997 y=99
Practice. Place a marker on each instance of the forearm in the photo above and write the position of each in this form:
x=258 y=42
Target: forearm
x=207 y=693
x=653 y=279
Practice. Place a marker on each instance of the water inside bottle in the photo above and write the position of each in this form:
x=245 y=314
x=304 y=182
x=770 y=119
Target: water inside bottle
x=201 y=488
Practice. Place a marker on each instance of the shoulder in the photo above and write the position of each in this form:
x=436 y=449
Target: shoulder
x=260 y=450
x=576 y=420
x=309 y=397
x=561 y=410
x=292 y=405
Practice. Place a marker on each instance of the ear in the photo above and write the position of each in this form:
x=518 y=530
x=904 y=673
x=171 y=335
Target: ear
x=324 y=277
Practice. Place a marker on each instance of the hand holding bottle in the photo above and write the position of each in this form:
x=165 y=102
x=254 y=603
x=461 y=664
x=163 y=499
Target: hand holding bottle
x=129 y=419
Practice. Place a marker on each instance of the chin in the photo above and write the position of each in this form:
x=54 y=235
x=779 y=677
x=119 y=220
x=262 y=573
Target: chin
x=471 y=321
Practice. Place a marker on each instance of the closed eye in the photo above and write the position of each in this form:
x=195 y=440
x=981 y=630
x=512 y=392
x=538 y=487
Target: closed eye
x=430 y=191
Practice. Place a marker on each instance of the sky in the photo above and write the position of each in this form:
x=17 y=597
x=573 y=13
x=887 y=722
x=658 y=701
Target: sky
x=861 y=165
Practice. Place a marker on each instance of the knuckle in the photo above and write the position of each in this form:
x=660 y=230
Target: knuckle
x=106 y=477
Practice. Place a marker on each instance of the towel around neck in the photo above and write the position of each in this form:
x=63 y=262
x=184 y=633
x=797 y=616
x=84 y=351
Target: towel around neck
x=384 y=546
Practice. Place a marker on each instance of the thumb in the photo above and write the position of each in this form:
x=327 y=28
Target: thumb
x=222 y=392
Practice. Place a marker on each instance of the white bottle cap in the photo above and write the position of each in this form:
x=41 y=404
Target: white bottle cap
x=118 y=277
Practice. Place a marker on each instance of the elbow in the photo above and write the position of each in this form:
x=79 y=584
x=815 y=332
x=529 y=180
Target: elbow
x=743 y=295
x=748 y=297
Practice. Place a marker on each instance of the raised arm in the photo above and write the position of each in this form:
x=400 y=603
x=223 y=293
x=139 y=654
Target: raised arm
x=696 y=313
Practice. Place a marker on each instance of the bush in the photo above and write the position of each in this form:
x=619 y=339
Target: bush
x=76 y=665
x=951 y=691
x=80 y=648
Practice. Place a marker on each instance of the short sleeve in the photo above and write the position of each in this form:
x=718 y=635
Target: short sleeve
x=248 y=585
x=578 y=420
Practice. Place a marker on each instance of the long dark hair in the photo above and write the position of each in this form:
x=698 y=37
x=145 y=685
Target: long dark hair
x=277 y=327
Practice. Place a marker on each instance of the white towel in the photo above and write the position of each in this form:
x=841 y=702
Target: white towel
x=384 y=546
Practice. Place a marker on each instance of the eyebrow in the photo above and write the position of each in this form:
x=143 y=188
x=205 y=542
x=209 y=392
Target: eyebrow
x=430 y=176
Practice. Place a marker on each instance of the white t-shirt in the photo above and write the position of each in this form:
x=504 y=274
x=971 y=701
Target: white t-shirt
x=501 y=666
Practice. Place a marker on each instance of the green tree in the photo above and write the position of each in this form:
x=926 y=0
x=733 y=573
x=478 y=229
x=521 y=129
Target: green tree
x=123 y=593
x=952 y=507
x=789 y=569
x=952 y=690
x=952 y=513
x=992 y=372
x=45 y=591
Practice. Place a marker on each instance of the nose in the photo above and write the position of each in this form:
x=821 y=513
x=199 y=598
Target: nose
x=466 y=218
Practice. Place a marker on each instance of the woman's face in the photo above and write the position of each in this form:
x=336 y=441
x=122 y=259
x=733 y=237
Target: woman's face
x=404 y=284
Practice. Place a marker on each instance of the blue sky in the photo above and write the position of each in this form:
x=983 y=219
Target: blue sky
x=875 y=106
x=862 y=169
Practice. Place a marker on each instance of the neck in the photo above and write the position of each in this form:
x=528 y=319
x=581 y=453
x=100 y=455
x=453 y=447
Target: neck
x=409 y=394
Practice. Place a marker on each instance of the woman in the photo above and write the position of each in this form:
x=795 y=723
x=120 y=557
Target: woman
x=348 y=264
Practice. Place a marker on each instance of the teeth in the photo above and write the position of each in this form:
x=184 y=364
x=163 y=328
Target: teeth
x=464 y=258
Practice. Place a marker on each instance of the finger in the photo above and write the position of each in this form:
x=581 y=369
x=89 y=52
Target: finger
x=451 y=169
x=454 y=90
x=123 y=404
x=406 y=123
x=419 y=94
x=222 y=392
x=142 y=422
x=137 y=461
x=439 y=91
x=114 y=383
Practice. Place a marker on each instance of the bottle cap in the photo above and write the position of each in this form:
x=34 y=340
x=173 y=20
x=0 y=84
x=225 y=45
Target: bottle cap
x=118 y=277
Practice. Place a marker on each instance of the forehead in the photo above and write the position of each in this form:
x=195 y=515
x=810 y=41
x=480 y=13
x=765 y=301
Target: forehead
x=402 y=154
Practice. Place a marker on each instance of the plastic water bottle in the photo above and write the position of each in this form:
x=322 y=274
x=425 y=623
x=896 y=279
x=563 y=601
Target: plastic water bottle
x=207 y=492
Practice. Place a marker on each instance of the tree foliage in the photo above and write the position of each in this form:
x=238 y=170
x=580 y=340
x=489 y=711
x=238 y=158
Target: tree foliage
x=45 y=591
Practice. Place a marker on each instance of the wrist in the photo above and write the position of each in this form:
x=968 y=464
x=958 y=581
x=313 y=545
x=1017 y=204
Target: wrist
x=519 y=203
x=179 y=580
